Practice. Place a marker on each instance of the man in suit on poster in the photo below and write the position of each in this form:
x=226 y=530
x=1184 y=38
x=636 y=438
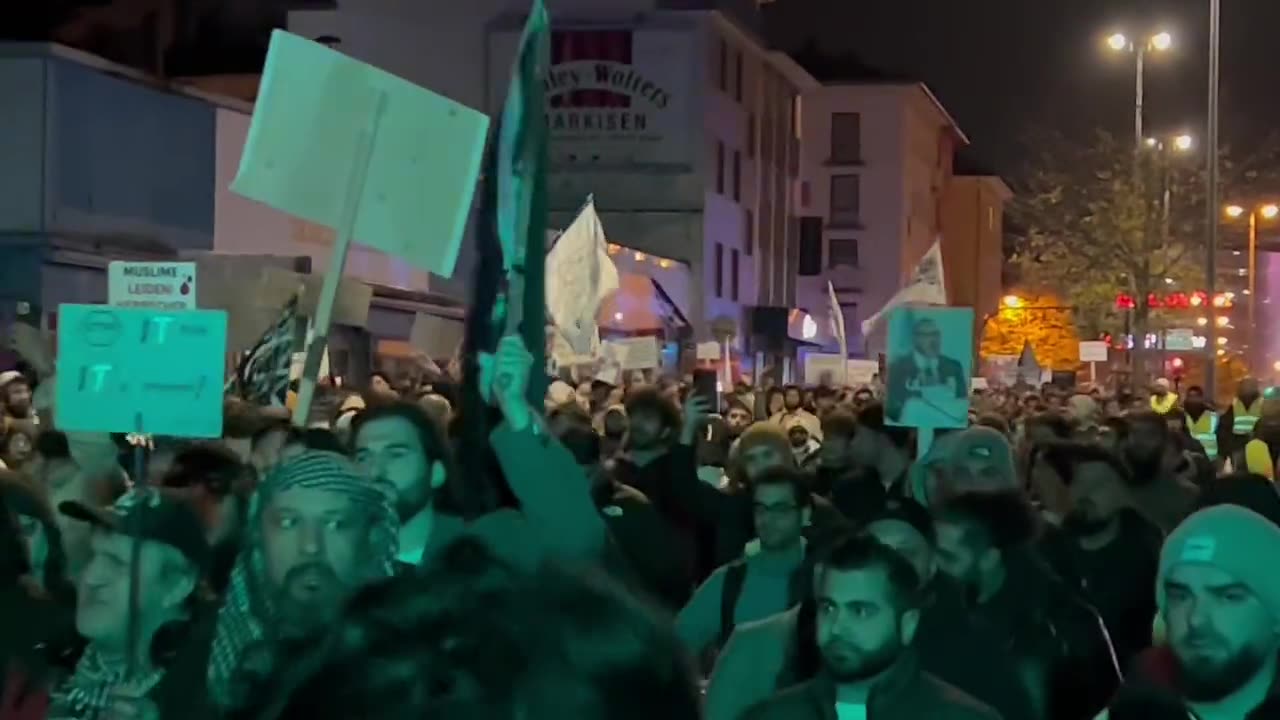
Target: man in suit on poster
x=923 y=373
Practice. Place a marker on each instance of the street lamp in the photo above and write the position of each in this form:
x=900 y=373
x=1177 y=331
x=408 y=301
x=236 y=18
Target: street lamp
x=1011 y=301
x=1263 y=212
x=1159 y=42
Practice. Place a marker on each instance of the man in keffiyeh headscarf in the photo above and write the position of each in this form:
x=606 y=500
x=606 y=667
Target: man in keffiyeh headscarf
x=319 y=530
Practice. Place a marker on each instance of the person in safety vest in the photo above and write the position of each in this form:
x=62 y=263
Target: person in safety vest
x=1201 y=422
x=1236 y=425
x=1262 y=452
x=1163 y=398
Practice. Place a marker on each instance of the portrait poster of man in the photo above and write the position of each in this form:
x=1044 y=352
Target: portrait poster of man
x=930 y=363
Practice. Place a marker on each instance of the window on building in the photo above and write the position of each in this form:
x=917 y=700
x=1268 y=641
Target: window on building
x=749 y=232
x=719 y=283
x=846 y=137
x=809 y=263
x=751 y=135
x=805 y=199
x=723 y=66
x=737 y=176
x=720 y=168
x=737 y=76
x=733 y=275
x=842 y=251
x=846 y=200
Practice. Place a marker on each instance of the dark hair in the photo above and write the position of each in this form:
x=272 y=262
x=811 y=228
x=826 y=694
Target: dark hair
x=825 y=391
x=267 y=429
x=649 y=399
x=455 y=497
x=995 y=422
x=210 y=465
x=790 y=477
x=316 y=439
x=871 y=417
x=582 y=442
x=475 y=637
x=52 y=444
x=1057 y=424
x=860 y=551
x=734 y=403
x=1148 y=417
x=839 y=424
x=1070 y=456
x=1001 y=520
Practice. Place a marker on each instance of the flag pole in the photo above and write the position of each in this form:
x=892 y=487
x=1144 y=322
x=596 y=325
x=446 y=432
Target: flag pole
x=337 y=262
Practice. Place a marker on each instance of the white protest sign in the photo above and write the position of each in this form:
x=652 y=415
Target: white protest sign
x=709 y=350
x=826 y=368
x=638 y=353
x=862 y=372
x=154 y=285
x=1093 y=351
x=1180 y=339
x=978 y=383
x=319 y=111
x=134 y=370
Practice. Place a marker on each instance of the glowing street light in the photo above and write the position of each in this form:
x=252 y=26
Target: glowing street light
x=1183 y=143
x=1234 y=211
x=1158 y=42
x=1269 y=212
x=1011 y=301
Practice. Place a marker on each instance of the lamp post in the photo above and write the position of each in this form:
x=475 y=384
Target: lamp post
x=1211 y=180
x=1159 y=42
x=1266 y=212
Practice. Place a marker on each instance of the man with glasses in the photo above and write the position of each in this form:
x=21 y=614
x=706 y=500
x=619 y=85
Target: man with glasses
x=769 y=580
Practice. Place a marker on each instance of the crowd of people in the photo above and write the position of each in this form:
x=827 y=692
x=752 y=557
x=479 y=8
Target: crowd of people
x=773 y=553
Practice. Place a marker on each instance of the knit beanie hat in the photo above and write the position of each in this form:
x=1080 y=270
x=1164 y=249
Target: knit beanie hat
x=1236 y=540
x=985 y=446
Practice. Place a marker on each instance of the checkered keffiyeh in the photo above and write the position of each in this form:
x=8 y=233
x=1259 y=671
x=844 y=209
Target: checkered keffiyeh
x=243 y=641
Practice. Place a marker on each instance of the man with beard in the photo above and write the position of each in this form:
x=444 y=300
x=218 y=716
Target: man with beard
x=1219 y=596
x=400 y=445
x=319 y=532
x=1162 y=489
x=737 y=419
x=868 y=608
x=1105 y=549
x=15 y=398
x=793 y=411
x=984 y=543
x=854 y=488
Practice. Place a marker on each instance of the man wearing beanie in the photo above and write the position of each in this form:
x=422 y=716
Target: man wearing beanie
x=1219 y=596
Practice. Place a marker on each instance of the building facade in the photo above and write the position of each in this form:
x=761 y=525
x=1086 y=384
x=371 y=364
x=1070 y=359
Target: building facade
x=973 y=244
x=876 y=165
x=679 y=122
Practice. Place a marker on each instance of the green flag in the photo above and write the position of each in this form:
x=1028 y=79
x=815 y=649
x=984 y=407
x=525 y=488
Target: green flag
x=522 y=194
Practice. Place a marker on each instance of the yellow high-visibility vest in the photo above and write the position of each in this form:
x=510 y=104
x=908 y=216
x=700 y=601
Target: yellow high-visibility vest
x=1164 y=403
x=1244 y=418
x=1257 y=457
x=1205 y=430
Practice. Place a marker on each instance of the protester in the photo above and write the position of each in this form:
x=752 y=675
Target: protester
x=793 y=412
x=868 y=613
x=1219 y=597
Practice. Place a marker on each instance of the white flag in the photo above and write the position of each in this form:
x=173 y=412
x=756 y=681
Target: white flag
x=837 y=316
x=580 y=276
x=926 y=287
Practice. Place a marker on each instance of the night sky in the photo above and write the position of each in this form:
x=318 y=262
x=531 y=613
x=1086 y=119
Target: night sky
x=1004 y=68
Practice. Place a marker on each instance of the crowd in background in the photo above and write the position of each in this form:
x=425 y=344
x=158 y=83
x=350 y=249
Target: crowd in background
x=770 y=553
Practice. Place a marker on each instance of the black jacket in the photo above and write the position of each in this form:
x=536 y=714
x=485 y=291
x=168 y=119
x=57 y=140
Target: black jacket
x=905 y=693
x=1151 y=692
x=1061 y=643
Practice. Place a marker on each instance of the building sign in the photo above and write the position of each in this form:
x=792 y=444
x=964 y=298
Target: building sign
x=155 y=285
x=615 y=97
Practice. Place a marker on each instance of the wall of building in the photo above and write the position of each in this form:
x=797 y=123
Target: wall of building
x=881 y=227
x=973 y=242
x=96 y=160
